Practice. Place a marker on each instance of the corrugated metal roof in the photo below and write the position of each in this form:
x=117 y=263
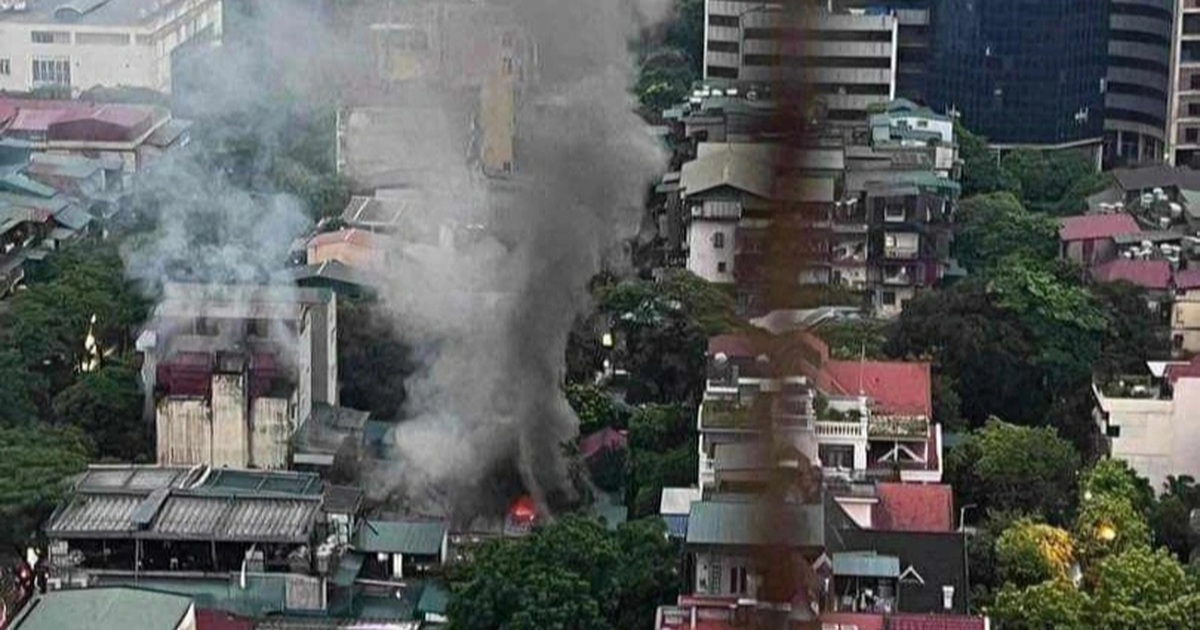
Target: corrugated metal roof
x=746 y=523
x=348 y=569
x=865 y=564
x=104 y=609
x=95 y=514
x=408 y=537
x=235 y=518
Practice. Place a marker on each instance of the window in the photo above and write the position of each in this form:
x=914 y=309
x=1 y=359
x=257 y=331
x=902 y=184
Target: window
x=1191 y=134
x=836 y=456
x=718 y=240
x=715 y=572
x=5 y=67
x=737 y=580
x=721 y=267
x=206 y=327
x=888 y=298
x=258 y=328
x=103 y=39
x=1113 y=431
x=893 y=213
x=1193 y=109
x=52 y=72
x=50 y=37
x=1194 y=81
x=725 y=47
x=723 y=20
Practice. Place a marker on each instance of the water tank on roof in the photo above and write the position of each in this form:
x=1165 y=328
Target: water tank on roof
x=1176 y=210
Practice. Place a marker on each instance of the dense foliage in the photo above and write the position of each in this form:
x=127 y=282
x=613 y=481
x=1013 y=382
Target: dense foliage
x=572 y=573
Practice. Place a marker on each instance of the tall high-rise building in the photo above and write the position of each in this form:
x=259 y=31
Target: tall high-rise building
x=1022 y=72
x=1183 y=133
x=1138 y=84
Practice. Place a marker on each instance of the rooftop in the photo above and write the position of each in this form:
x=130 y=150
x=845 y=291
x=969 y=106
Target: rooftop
x=747 y=523
x=910 y=507
x=607 y=438
x=408 y=537
x=114 y=608
x=90 y=12
x=1156 y=176
x=754 y=176
x=1148 y=274
x=897 y=388
x=1095 y=226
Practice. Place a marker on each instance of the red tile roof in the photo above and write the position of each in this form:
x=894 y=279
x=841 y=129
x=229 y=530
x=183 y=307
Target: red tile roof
x=1187 y=279
x=1096 y=226
x=912 y=507
x=1149 y=274
x=604 y=439
x=935 y=622
x=895 y=387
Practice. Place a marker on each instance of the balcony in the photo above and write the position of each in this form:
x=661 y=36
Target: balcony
x=725 y=414
x=851 y=430
x=898 y=427
x=898 y=279
x=901 y=252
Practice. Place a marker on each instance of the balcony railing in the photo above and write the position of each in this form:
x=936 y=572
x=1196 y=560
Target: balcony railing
x=906 y=253
x=898 y=427
x=841 y=429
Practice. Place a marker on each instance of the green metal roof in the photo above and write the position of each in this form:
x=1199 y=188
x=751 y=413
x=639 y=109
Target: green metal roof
x=434 y=599
x=865 y=564
x=249 y=482
x=348 y=569
x=407 y=537
x=117 y=608
x=748 y=523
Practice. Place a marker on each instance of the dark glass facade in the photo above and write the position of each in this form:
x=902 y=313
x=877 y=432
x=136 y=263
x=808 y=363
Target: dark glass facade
x=1022 y=71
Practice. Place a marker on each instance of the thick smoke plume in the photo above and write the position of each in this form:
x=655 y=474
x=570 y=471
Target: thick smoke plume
x=496 y=312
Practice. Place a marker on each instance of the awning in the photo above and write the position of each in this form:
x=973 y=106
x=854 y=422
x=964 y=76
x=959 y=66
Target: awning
x=865 y=564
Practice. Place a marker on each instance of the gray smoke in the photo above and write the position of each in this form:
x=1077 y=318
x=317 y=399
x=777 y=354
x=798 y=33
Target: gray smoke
x=496 y=312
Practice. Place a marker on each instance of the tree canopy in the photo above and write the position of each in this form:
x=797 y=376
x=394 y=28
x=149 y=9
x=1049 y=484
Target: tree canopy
x=35 y=462
x=571 y=573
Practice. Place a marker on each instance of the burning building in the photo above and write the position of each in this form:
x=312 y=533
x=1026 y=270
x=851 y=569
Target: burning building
x=231 y=372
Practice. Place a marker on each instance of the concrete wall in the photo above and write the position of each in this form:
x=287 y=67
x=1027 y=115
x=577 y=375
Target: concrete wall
x=229 y=426
x=713 y=573
x=270 y=434
x=97 y=55
x=323 y=359
x=304 y=364
x=184 y=431
x=498 y=118
x=1185 y=321
x=1103 y=251
x=703 y=258
x=1147 y=430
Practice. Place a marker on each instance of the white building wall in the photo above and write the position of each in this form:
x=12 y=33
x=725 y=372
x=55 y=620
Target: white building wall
x=859 y=510
x=229 y=426
x=144 y=60
x=184 y=431
x=270 y=433
x=304 y=365
x=1146 y=433
x=704 y=258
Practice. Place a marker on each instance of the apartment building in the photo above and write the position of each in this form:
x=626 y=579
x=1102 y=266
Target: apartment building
x=1138 y=81
x=1184 y=131
x=848 y=58
x=231 y=372
x=855 y=419
x=79 y=44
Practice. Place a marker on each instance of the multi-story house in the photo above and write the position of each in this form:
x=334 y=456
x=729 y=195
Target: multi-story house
x=231 y=372
x=80 y=44
x=1147 y=419
x=856 y=419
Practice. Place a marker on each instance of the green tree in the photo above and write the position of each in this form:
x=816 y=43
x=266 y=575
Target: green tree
x=995 y=226
x=659 y=428
x=1171 y=516
x=1047 y=177
x=1108 y=524
x=1029 y=553
x=1130 y=339
x=1008 y=467
x=593 y=406
x=654 y=471
x=853 y=339
x=106 y=405
x=983 y=349
x=686 y=33
x=1114 y=477
x=19 y=391
x=710 y=306
x=571 y=573
x=35 y=463
x=609 y=469
x=981 y=171
x=1055 y=605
